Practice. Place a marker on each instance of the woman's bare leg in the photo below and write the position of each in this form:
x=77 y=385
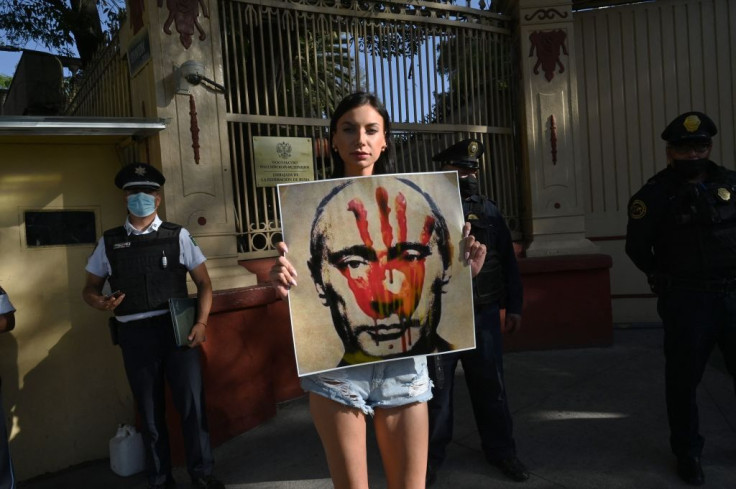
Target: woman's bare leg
x=342 y=431
x=403 y=438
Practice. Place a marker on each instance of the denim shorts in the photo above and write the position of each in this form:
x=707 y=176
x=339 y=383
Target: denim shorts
x=376 y=385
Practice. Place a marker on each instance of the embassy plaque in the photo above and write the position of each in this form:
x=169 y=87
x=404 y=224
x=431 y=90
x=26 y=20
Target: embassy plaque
x=139 y=53
x=282 y=160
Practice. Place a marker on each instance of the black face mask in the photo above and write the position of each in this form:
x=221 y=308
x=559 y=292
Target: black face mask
x=689 y=169
x=468 y=186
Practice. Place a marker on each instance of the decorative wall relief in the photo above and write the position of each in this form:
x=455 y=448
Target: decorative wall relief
x=553 y=138
x=194 y=127
x=553 y=151
x=546 y=14
x=183 y=14
x=136 y=14
x=548 y=45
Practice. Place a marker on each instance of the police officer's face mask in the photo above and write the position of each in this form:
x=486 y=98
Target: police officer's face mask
x=468 y=186
x=141 y=204
x=689 y=169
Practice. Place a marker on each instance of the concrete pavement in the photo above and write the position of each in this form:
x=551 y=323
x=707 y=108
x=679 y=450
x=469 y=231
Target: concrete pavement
x=584 y=419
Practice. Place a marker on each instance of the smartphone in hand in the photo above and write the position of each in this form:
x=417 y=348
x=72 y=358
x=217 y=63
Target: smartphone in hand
x=114 y=295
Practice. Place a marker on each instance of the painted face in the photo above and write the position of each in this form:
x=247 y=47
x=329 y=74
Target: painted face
x=359 y=139
x=381 y=269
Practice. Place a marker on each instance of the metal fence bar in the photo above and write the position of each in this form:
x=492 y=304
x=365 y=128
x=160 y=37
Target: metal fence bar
x=103 y=89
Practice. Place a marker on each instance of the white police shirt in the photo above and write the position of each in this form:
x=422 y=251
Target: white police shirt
x=190 y=255
x=5 y=305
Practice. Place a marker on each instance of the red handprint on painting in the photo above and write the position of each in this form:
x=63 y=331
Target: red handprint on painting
x=390 y=282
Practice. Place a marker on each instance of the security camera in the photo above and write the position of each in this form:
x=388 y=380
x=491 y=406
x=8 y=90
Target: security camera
x=192 y=71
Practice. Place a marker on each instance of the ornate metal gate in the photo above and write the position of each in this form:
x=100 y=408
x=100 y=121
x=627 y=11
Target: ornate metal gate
x=444 y=72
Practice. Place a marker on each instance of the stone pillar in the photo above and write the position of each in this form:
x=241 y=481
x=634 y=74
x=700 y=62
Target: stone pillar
x=555 y=219
x=193 y=151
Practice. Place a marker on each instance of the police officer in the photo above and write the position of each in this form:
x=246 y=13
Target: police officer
x=146 y=262
x=7 y=323
x=497 y=285
x=682 y=234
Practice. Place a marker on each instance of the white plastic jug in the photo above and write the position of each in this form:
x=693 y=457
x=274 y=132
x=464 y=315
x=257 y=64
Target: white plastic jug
x=127 y=454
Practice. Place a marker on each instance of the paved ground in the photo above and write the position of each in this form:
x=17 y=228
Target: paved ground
x=584 y=419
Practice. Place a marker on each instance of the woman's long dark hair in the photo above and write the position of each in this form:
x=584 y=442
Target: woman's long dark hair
x=386 y=163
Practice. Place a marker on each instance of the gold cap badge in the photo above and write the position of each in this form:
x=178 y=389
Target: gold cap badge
x=472 y=149
x=691 y=123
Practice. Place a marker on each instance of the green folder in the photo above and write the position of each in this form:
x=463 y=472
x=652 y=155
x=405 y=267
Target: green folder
x=183 y=315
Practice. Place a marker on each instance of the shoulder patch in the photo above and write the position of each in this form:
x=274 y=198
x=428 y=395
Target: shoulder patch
x=637 y=209
x=194 y=242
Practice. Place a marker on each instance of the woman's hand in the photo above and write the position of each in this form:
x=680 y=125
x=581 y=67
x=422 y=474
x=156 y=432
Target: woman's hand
x=475 y=251
x=283 y=274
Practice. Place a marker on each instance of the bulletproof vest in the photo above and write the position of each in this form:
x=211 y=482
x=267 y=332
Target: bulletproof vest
x=698 y=238
x=146 y=268
x=488 y=285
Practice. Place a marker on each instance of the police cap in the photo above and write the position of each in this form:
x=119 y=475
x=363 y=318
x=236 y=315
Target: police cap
x=463 y=154
x=690 y=127
x=139 y=175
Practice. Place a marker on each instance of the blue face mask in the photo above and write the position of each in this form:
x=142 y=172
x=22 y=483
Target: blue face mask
x=141 y=204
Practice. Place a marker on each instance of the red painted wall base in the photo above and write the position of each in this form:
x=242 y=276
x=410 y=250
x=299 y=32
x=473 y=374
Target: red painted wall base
x=248 y=365
x=567 y=303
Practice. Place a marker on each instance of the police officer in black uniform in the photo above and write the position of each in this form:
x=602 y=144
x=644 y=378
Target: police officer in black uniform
x=146 y=262
x=497 y=285
x=7 y=475
x=682 y=234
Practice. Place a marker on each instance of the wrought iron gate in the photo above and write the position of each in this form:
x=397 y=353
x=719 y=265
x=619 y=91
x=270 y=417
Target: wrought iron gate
x=444 y=72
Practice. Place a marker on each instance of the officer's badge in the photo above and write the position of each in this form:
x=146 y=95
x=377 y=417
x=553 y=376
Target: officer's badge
x=140 y=171
x=473 y=217
x=724 y=194
x=637 y=209
x=473 y=149
x=691 y=123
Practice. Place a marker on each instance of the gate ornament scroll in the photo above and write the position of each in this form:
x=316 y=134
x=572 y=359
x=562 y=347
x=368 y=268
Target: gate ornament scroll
x=183 y=14
x=546 y=14
x=548 y=45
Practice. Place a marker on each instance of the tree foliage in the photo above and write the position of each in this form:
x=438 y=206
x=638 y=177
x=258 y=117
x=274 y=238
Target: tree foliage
x=61 y=25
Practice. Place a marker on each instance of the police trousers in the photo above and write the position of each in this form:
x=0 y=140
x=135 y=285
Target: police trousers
x=483 y=368
x=694 y=322
x=7 y=476
x=151 y=357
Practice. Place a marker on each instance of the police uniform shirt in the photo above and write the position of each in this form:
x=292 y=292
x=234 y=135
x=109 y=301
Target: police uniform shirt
x=651 y=214
x=190 y=256
x=647 y=209
x=505 y=248
x=5 y=305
